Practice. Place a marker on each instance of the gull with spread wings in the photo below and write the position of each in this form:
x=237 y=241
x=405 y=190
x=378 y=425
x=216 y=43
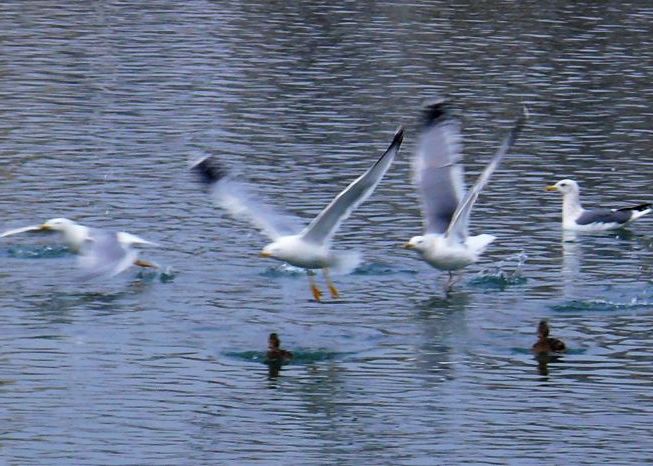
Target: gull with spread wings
x=309 y=249
x=446 y=243
x=101 y=252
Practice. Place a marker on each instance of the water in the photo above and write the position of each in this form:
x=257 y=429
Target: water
x=104 y=104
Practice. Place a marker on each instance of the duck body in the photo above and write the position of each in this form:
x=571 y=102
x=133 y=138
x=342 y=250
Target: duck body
x=545 y=343
x=549 y=345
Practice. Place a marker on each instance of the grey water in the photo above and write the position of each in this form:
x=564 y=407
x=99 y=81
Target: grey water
x=103 y=105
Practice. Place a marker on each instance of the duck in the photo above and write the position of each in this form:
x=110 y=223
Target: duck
x=545 y=343
x=577 y=218
x=275 y=352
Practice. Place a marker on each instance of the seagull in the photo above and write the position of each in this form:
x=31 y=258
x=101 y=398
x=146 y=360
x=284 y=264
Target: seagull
x=446 y=244
x=575 y=217
x=100 y=252
x=309 y=249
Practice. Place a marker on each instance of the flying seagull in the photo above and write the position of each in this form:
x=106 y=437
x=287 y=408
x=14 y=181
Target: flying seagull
x=101 y=252
x=438 y=173
x=575 y=217
x=309 y=249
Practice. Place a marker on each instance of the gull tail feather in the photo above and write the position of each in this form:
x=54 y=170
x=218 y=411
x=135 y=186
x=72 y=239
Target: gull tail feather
x=479 y=243
x=346 y=262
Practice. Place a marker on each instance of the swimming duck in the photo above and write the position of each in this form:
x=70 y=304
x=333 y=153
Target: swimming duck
x=546 y=344
x=275 y=352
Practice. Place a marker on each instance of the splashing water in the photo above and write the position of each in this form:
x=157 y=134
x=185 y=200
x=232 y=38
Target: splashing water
x=504 y=273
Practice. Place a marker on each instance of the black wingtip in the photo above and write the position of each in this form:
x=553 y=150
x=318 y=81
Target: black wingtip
x=519 y=125
x=637 y=208
x=398 y=137
x=435 y=111
x=209 y=170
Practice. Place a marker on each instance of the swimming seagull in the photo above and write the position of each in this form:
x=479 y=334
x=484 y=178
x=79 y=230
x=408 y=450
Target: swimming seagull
x=100 y=252
x=575 y=217
x=446 y=244
x=309 y=249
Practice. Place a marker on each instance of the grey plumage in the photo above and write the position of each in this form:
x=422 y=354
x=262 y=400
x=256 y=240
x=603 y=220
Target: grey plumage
x=103 y=254
x=620 y=216
x=323 y=227
x=438 y=171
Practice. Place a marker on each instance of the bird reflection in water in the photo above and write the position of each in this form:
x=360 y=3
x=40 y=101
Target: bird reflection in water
x=547 y=349
x=276 y=356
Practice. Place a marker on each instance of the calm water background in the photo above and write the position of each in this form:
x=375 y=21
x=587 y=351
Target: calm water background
x=104 y=103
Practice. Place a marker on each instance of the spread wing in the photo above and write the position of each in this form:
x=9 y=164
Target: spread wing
x=460 y=220
x=437 y=169
x=16 y=231
x=235 y=197
x=102 y=254
x=323 y=227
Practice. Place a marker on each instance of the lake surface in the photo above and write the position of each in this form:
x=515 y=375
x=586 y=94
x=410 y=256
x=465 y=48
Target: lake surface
x=105 y=103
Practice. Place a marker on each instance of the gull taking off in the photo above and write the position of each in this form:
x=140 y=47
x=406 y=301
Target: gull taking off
x=446 y=244
x=100 y=252
x=309 y=249
x=575 y=217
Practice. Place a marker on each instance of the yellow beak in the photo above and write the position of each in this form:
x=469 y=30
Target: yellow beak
x=44 y=227
x=408 y=246
x=551 y=187
x=265 y=254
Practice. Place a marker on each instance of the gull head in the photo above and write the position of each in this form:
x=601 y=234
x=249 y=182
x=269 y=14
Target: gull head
x=74 y=234
x=565 y=186
x=58 y=224
x=283 y=249
x=417 y=243
x=272 y=250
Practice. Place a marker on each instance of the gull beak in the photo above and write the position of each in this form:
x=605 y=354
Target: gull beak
x=408 y=246
x=44 y=227
x=551 y=187
x=265 y=254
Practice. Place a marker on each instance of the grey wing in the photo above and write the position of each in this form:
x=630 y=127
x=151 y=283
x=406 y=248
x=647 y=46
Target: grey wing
x=438 y=173
x=15 y=231
x=103 y=255
x=323 y=227
x=235 y=197
x=604 y=216
x=460 y=220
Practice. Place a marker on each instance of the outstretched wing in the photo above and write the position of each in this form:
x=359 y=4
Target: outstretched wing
x=460 y=220
x=102 y=254
x=16 y=231
x=234 y=196
x=129 y=239
x=437 y=169
x=323 y=227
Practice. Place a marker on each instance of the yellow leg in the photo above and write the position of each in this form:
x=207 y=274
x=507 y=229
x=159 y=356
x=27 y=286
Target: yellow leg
x=332 y=287
x=317 y=294
x=146 y=264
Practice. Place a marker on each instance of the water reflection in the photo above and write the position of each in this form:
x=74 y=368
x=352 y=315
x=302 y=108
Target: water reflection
x=571 y=261
x=543 y=361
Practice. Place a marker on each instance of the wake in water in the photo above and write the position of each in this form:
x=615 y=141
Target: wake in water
x=38 y=252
